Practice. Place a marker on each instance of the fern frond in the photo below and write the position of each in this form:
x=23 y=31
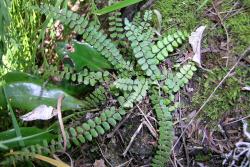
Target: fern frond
x=126 y=84
x=165 y=131
x=95 y=99
x=116 y=26
x=140 y=91
x=86 y=77
x=143 y=24
x=95 y=127
x=91 y=33
x=175 y=83
x=137 y=19
x=142 y=50
x=167 y=45
x=76 y=135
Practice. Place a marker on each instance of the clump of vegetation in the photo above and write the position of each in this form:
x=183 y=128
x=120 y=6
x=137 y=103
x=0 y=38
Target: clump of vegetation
x=95 y=75
x=139 y=75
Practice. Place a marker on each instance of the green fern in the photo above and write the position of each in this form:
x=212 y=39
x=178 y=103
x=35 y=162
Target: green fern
x=127 y=84
x=137 y=75
x=142 y=50
x=140 y=91
x=85 y=76
x=165 y=131
x=116 y=26
x=75 y=135
x=95 y=99
x=174 y=83
x=167 y=45
x=91 y=33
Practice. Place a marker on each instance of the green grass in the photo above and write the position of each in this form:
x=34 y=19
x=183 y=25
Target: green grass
x=23 y=31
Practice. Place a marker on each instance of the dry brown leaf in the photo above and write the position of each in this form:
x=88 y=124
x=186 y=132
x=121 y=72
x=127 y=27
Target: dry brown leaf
x=247 y=88
x=195 y=41
x=42 y=112
x=99 y=163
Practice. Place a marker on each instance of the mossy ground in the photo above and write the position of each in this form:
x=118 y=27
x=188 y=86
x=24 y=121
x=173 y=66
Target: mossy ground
x=229 y=97
x=229 y=102
x=190 y=14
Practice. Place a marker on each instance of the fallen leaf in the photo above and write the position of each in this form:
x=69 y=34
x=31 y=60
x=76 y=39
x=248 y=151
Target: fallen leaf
x=99 y=163
x=195 y=41
x=42 y=112
x=247 y=88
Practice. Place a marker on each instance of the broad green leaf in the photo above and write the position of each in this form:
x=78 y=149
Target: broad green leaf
x=26 y=92
x=30 y=136
x=83 y=55
x=116 y=6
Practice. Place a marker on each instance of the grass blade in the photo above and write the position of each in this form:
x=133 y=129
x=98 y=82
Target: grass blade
x=116 y=6
x=14 y=121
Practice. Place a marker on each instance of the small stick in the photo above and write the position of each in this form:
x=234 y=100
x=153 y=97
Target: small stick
x=71 y=160
x=240 y=119
x=132 y=139
x=111 y=134
x=125 y=163
x=152 y=130
x=104 y=156
x=59 y=114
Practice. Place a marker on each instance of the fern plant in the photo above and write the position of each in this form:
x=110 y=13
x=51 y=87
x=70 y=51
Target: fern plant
x=136 y=76
x=116 y=26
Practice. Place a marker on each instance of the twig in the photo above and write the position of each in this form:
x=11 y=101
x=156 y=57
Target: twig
x=147 y=4
x=246 y=52
x=152 y=131
x=151 y=128
x=111 y=134
x=125 y=163
x=59 y=114
x=225 y=29
x=71 y=160
x=238 y=120
x=104 y=156
x=132 y=139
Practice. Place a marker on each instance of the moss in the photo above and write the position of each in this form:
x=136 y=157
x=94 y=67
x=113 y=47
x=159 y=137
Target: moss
x=180 y=14
x=240 y=32
x=237 y=24
x=227 y=98
x=203 y=157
